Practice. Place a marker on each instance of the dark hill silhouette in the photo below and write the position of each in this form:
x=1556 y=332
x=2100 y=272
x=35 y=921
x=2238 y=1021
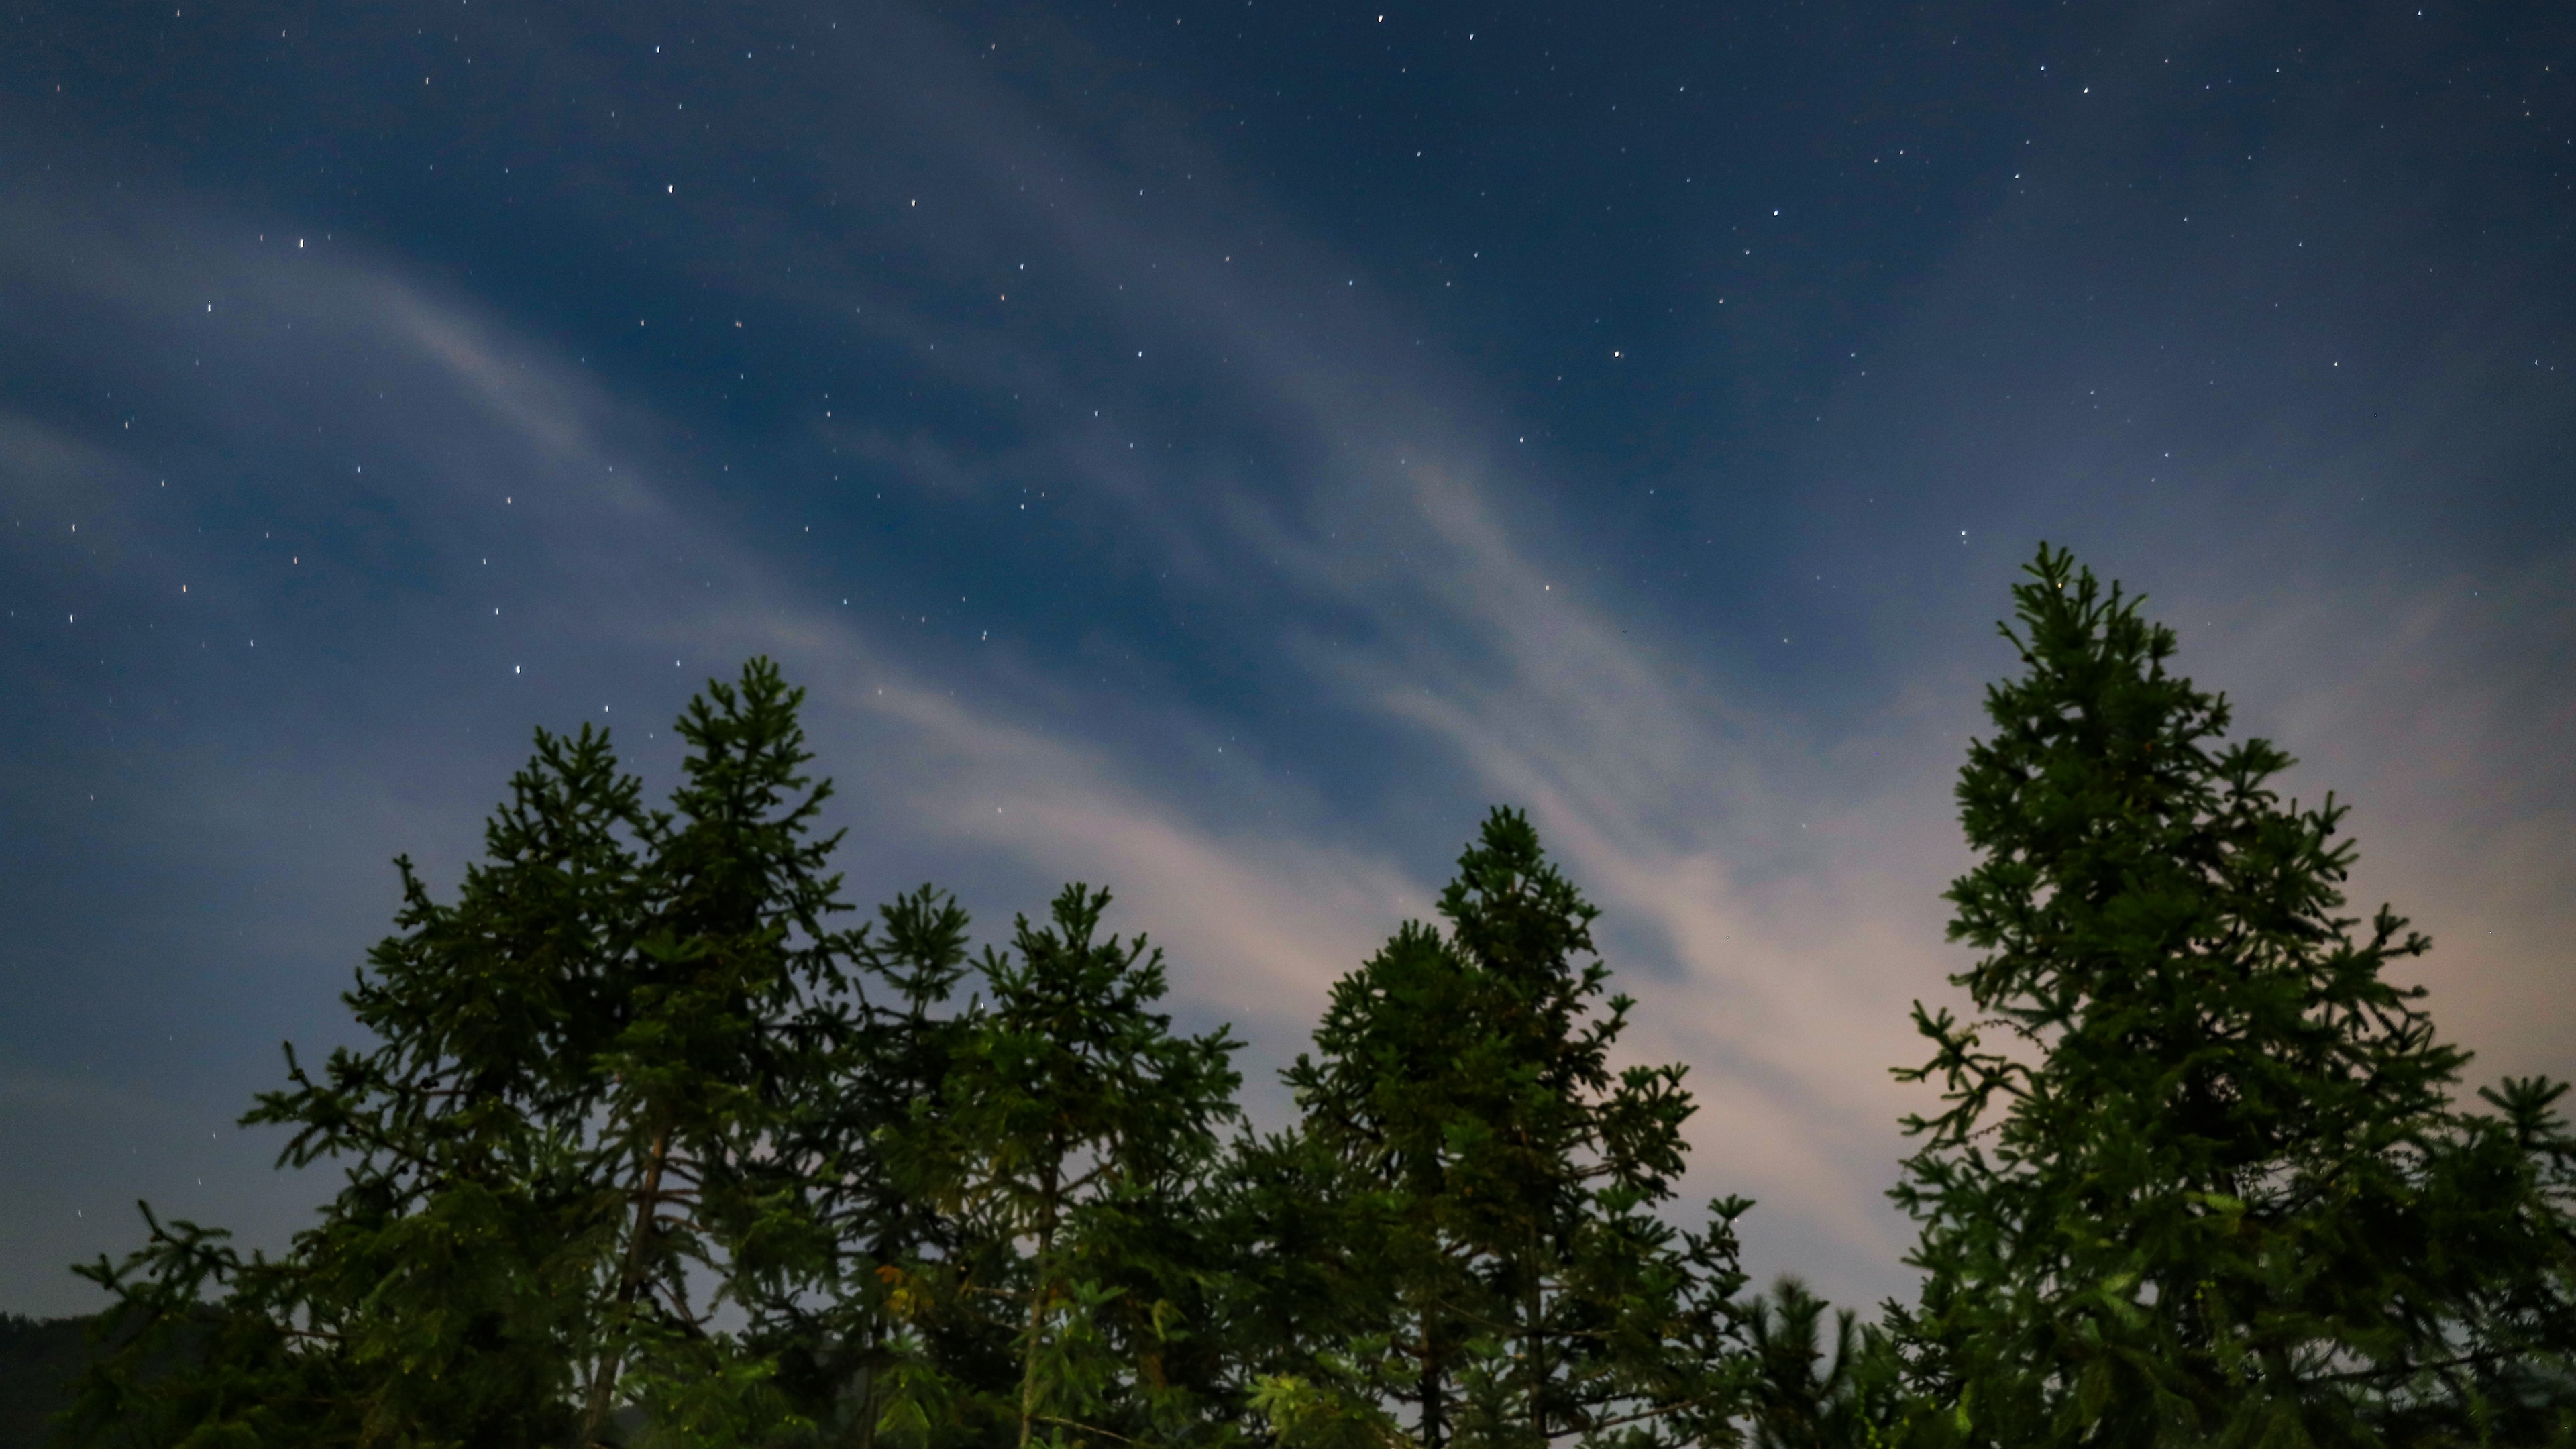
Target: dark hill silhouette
x=38 y=1359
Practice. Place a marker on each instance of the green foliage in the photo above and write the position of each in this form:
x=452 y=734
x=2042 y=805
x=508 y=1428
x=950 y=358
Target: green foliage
x=850 y=1343
x=1070 y=1136
x=1333 y=1409
x=1474 y=1189
x=648 y=1150
x=2199 y=1178
x=560 y=1155
x=733 y=1026
x=1806 y=1396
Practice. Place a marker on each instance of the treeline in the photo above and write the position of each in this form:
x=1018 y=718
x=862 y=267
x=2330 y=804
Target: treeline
x=655 y=1145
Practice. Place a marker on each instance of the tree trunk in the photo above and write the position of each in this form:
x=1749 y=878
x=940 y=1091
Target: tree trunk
x=1435 y=1429
x=603 y=1378
x=1038 y=1291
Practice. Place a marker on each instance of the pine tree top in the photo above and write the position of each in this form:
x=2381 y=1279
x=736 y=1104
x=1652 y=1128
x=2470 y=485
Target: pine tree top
x=2199 y=1177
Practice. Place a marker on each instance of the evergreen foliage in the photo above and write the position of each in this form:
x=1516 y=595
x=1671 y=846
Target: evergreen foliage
x=1806 y=1396
x=563 y=1149
x=1069 y=1136
x=844 y=1345
x=1483 y=1186
x=649 y=1149
x=2200 y=1178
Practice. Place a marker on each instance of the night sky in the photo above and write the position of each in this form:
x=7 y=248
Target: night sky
x=1219 y=449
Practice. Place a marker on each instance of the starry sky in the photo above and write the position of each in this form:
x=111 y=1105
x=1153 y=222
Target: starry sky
x=1217 y=449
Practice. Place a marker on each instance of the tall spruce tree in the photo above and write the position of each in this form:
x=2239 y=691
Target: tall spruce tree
x=1808 y=1396
x=733 y=1023
x=2200 y=1178
x=842 y=1342
x=1492 y=1186
x=1070 y=1137
x=428 y=1304
x=563 y=1149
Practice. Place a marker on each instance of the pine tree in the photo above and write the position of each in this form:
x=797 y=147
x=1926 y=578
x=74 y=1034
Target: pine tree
x=566 y=1137
x=841 y=1346
x=1493 y=1192
x=1805 y=1395
x=733 y=1022
x=2200 y=1178
x=1071 y=1136
x=425 y=1307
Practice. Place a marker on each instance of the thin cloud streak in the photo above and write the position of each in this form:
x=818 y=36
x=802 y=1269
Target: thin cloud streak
x=1663 y=798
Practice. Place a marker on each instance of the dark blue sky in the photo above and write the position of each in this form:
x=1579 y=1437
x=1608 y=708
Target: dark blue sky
x=1216 y=449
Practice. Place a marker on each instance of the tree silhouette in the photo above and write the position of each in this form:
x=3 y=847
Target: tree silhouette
x=2199 y=1178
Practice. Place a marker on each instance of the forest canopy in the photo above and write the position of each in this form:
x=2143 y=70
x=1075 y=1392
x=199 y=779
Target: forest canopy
x=659 y=1140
